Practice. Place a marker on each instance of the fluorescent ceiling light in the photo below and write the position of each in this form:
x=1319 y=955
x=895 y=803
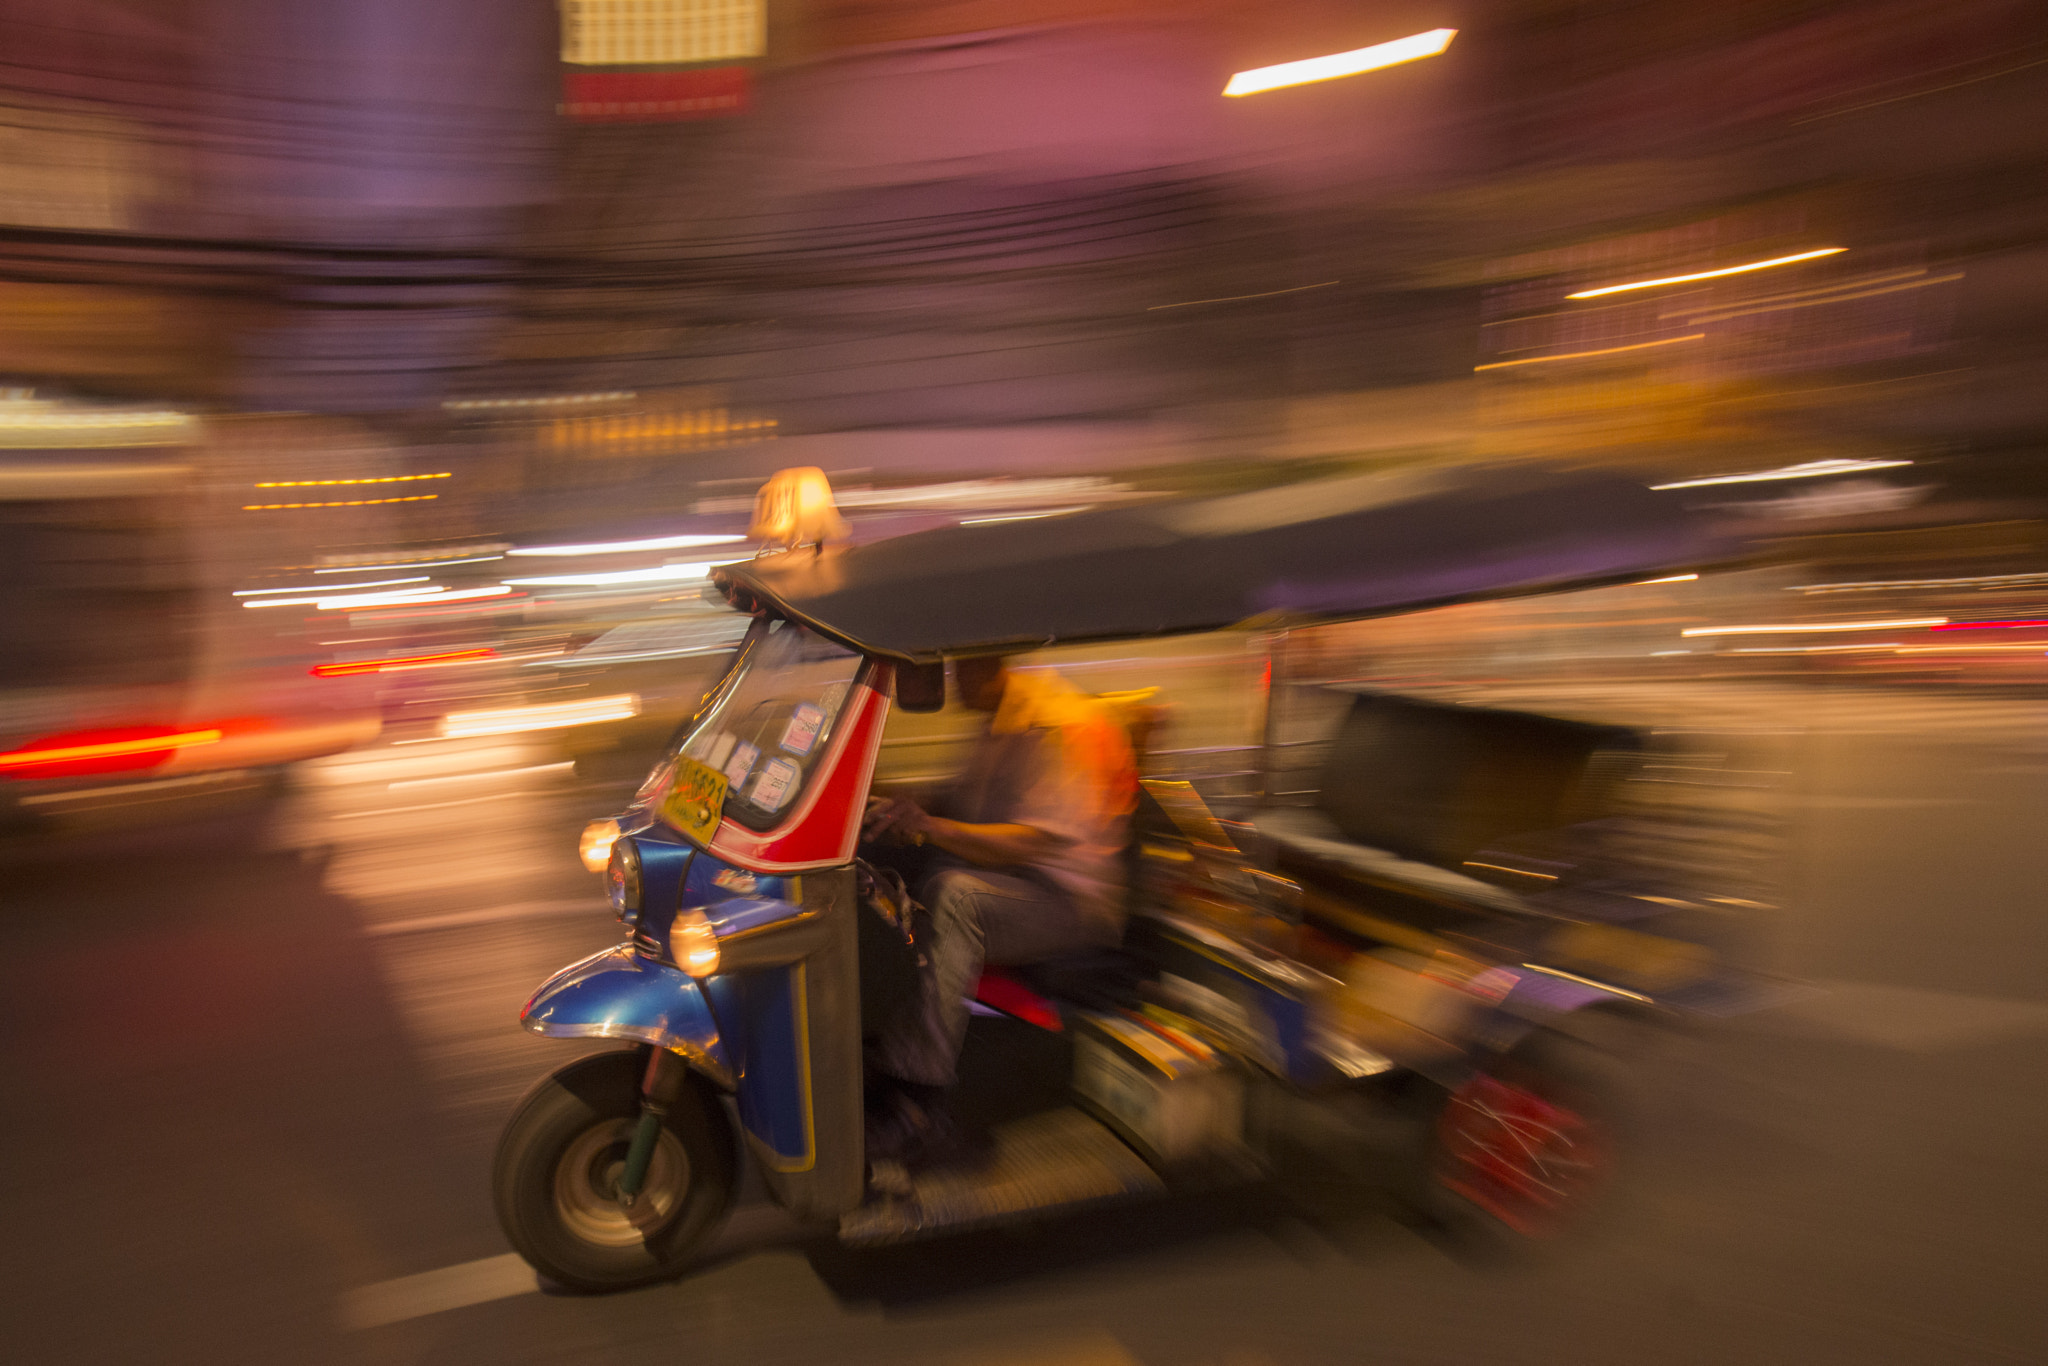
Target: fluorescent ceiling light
x=1337 y=64
x=621 y=547
x=1706 y=274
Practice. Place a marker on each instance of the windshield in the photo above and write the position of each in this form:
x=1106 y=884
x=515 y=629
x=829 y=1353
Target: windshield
x=775 y=718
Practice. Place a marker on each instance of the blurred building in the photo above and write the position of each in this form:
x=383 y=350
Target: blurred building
x=956 y=218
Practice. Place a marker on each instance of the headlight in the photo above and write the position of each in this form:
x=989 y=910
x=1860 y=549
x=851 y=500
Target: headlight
x=622 y=881
x=693 y=943
x=594 y=847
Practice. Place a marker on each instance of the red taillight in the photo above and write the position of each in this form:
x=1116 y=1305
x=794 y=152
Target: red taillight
x=115 y=749
x=377 y=666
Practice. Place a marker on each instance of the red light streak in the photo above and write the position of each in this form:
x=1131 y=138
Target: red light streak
x=100 y=751
x=1985 y=625
x=377 y=666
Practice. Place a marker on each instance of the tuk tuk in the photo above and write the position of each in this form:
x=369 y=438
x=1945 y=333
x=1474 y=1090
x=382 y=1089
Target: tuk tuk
x=1440 y=928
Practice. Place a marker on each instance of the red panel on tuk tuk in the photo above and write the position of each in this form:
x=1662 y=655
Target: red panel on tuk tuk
x=825 y=827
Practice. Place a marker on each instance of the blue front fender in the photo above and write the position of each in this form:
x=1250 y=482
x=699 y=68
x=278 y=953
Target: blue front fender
x=617 y=994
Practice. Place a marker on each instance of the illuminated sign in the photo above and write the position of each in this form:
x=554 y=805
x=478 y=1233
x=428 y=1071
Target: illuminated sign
x=662 y=32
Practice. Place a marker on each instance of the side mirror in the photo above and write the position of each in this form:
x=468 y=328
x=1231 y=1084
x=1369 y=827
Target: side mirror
x=921 y=687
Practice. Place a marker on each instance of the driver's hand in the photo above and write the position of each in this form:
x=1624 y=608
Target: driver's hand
x=895 y=818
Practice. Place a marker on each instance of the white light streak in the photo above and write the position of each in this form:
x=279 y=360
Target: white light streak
x=327 y=587
x=1812 y=469
x=1802 y=627
x=664 y=573
x=1872 y=585
x=1707 y=274
x=403 y=596
x=1019 y=516
x=540 y=716
x=1409 y=49
x=548 y=401
x=621 y=547
x=409 y=564
x=1668 y=578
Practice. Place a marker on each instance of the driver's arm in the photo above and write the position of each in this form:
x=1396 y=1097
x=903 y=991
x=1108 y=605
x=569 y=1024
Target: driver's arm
x=989 y=846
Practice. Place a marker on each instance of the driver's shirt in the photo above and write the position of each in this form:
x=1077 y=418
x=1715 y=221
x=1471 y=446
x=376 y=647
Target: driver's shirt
x=1054 y=759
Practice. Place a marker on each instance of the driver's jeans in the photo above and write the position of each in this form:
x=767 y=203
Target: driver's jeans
x=977 y=917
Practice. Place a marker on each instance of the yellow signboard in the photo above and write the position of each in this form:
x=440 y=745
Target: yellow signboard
x=695 y=800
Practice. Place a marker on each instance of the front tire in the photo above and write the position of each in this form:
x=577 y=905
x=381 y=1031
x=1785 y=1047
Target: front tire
x=559 y=1157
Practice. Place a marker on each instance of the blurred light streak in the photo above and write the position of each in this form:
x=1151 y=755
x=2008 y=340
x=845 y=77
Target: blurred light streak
x=322 y=483
x=397 y=662
x=343 y=601
x=1810 y=649
x=352 y=503
x=1988 y=625
x=1874 y=585
x=1799 y=628
x=1708 y=274
x=1812 y=469
x=419 y=595
x=1668 y=578
x=518 y=603
x=409 y=564
x=31 y=756
x=1021 y=516
x=1412 y=48
x=622 y=547
x=539 y=716
x=615 y=396
x=1824 y=298
x=327 y=587
x=1580 y=355
x=124 y=791
x=485 y=773
x=665 y=573
x=1240 y=298
x=2032 y=647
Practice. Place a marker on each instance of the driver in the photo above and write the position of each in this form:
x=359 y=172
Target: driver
x=1028 y=866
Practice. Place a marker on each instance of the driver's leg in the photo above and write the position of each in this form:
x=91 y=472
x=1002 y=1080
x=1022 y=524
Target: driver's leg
x=976 y=917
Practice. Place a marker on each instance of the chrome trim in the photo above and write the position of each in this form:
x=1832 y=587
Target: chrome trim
x=682 y=1048
x=1610 y=989
x=1284 y=972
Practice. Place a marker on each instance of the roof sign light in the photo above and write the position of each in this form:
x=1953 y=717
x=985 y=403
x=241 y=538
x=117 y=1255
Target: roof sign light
x=1409 y=49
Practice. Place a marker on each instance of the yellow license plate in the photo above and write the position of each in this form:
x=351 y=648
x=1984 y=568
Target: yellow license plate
x=694 y=800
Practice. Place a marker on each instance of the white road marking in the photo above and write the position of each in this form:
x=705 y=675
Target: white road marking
x=433 y=1292
x=499 y=1278
x=488 y=915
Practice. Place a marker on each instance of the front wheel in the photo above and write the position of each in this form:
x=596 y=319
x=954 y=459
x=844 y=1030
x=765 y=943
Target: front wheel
x=555 y=1176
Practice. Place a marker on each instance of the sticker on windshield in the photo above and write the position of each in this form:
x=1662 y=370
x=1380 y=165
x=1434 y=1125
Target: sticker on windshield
x=774 y=784
x=802 y=731
x=741 y=763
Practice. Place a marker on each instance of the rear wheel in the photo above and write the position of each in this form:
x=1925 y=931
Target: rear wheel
x=556 y=1174
x=1528 y=1154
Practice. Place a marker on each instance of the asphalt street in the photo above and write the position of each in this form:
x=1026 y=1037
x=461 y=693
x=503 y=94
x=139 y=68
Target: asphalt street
x=253 y=1073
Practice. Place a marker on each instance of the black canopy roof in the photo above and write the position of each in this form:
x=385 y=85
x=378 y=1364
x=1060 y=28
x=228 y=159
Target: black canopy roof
x=1352 y=547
